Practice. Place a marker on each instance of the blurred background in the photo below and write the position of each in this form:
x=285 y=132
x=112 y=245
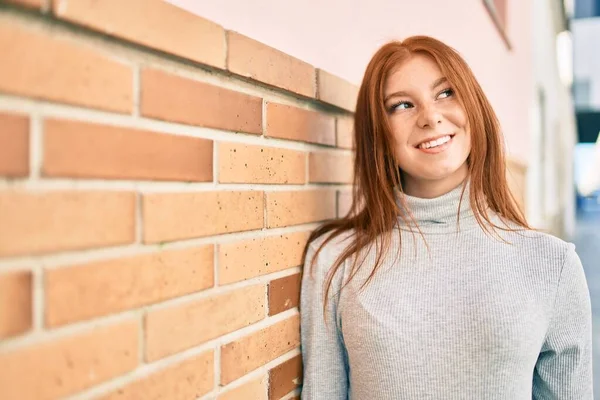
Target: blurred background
x=162 y=163
x=585 y=87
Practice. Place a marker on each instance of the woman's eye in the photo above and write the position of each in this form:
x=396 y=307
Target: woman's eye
x=445 y=93
x=403 y=105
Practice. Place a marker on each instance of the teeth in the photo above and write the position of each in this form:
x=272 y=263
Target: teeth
x=434 y=143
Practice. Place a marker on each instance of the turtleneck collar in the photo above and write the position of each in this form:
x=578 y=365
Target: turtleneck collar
x=439 y=214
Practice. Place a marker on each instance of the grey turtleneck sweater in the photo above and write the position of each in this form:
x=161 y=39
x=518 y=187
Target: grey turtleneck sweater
x=473 y=317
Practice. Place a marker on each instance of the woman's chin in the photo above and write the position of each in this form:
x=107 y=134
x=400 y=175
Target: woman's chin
x=430 y=173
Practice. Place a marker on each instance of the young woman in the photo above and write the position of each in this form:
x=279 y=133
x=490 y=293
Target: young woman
x=434 y=286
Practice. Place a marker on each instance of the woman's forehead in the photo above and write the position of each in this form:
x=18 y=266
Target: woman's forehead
x=417 y=71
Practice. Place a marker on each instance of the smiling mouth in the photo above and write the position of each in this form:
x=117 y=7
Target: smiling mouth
x=434 y=143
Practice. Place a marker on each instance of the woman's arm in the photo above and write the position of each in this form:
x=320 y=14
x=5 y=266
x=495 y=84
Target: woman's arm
x=323 y=352
x=564 y=367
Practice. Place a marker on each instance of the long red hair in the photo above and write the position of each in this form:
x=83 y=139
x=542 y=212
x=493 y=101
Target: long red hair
x=374 y=212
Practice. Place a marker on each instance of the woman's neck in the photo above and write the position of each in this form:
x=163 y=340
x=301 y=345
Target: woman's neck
x=429 y=189
x=441 y=214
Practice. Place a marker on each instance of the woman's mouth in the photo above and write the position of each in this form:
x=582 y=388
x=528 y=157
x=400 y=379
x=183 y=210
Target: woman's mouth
x=436 y=145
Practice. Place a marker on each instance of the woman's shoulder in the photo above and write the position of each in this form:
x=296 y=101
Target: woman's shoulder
x=332 y=248
x=539 y=239
x=321 y=256
x=534 y=241
x=542 y=248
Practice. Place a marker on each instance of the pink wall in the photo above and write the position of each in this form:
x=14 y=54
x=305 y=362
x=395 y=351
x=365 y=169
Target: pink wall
x=340 y=37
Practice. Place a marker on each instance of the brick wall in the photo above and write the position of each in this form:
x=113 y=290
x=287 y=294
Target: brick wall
x=159 y=177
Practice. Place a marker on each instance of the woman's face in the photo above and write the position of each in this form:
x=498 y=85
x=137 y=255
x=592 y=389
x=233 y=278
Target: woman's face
x=430 y=127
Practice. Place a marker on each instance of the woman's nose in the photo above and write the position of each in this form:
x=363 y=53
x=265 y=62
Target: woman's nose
x=429 y=117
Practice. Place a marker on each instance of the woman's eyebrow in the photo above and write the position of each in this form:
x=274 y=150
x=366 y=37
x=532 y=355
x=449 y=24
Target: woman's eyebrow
x=401 y=93
x=395 y=94
x=438 y=82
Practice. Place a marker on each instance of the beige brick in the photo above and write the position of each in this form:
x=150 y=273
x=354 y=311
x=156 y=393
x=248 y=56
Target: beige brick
x=299 y=207
x=345 y=132
x=284 y=294
x=285 y=377
x=337 y=91
x=255 y=60
x=189 y=379
x=60 y=367
x=253 y=390
x=62 y=71
x=183 y=326
x=177 y=99
x=80 y=292
x=250 y=352
x=174 y=216
x=156 y=24
x=15 y=303
x=344 y=202
x=43 y=222
x=241 y=163
x=260 y=256
x=293 y=123
x=329 y=167
x=14 y=145
x=27 y=3
x=86 y=150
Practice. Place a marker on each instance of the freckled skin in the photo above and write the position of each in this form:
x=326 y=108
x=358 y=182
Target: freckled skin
x=422 y=112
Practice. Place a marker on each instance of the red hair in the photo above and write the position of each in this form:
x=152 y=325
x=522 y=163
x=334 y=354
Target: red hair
x=374 y=212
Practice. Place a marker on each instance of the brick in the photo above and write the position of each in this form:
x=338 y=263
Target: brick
x=177 y=99
x=174 y=216
x=250 y=352
x=86 y=150
x=344 y=130
x=254 y=390
x=330 y=167
x=15 y=303
x=189 y=379
x=60 y=367
x=43 y=222
x=240 y=163
x=85 y=77
x=284 y=294
x=183 y=326
x=337 y=91
x=27 y=3
x=14 y=145
x=344 y=202
x=285 y=377
x=79 y=292
x=293 y=123
x=155 y=24
x=299 y=207
x=247 y=259
x=260 y=62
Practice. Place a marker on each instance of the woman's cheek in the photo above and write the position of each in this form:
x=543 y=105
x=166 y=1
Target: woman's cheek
x=457 y=116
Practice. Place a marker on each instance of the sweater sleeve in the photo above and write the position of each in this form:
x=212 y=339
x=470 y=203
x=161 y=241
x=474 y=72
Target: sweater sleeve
x=564 y=367
x=323 y=352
